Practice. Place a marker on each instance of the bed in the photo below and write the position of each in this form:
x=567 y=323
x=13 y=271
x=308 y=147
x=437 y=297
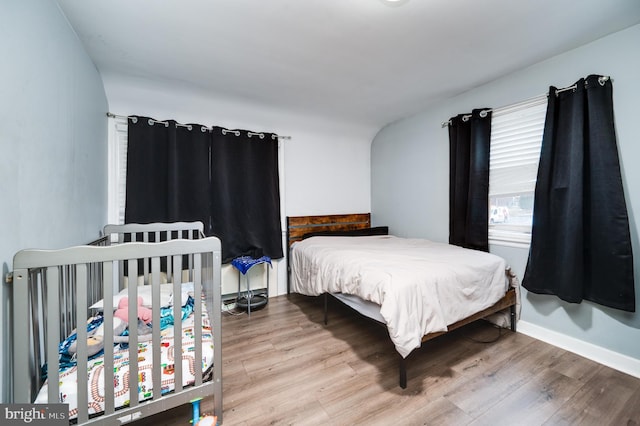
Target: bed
x=417 y=288
x=123 y=373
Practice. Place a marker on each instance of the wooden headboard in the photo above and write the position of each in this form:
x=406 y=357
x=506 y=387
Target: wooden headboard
x=298 y=226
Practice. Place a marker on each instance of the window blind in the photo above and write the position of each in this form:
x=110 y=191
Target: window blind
x=516 y=139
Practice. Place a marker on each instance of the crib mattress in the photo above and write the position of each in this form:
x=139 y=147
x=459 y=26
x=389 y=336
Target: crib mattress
x=95 y=370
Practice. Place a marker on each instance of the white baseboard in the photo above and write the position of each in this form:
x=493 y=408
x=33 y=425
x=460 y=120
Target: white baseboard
x=607 y=357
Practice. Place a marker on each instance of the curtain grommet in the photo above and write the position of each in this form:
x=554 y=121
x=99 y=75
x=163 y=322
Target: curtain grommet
x=260 y=135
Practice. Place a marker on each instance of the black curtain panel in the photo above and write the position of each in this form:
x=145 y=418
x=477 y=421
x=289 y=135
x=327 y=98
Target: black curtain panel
x=167 y=172
x=469 y=143
x=580 y=240
x=245 y=193
x=147 y=159
x=226 y=179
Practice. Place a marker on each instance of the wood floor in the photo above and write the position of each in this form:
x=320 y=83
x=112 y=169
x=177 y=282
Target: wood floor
x=283 y=366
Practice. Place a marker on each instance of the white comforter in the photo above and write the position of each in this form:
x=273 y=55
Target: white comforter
x=420 y=285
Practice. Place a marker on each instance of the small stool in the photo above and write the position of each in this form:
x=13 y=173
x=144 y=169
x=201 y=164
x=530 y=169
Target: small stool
x=250 y=301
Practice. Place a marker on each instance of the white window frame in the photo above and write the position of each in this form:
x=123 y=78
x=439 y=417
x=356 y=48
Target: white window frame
x=117 y=169
x=516 y=139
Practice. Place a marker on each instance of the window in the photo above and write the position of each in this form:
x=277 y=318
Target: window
x=516 y=138
x=117 y=169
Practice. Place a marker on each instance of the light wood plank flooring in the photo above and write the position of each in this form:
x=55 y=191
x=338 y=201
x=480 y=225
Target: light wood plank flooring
x=283 y=366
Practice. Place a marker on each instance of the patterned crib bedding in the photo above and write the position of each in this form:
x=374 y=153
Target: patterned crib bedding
x=95 y=369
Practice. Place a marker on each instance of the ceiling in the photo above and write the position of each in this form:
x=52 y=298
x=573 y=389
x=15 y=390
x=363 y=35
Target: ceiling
x=358 y=60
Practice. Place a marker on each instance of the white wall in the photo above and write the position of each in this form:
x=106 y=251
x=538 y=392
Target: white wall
x=326 y=166
x=410 y=161
x=53 y=133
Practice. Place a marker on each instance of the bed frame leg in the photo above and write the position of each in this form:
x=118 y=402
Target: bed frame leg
x=512 y=310
x=326 y=309
x=402 y=367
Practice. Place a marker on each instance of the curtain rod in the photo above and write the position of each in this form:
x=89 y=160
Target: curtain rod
x=202 y=128
x=602 y=80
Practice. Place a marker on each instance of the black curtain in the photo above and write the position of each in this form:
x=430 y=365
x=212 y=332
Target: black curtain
x=167 y=172
x=469 y=142
x=245 y=193
x=179 y=172
x=580 y=240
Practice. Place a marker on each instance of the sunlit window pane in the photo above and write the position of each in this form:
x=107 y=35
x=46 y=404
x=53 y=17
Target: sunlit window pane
x=516 y=137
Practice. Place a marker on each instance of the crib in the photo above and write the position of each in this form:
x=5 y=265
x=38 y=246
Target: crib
x=172 y=271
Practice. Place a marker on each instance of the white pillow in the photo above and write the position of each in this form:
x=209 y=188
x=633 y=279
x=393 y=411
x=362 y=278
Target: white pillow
x=186 y=291
x=144 y=291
